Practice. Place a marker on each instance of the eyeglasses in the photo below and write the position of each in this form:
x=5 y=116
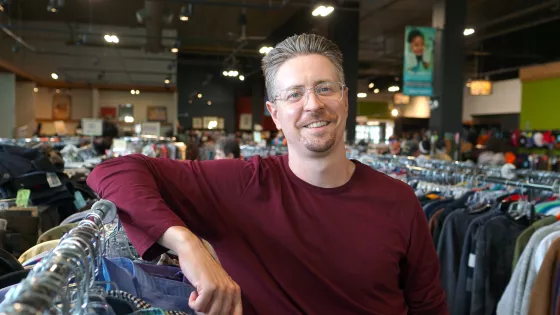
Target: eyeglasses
x=325 y=91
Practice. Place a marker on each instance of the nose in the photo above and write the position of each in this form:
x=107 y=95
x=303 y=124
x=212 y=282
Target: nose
x=312 y=101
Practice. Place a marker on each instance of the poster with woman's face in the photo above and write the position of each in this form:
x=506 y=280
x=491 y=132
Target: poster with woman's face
x=61 y=106
x=418 y=60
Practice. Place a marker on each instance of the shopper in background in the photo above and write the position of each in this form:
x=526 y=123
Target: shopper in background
x=394 y=145
x=311 y=232
x=441 y=151
x=279 y=139
x=424 y=148
x=227 y=148
x=105 y=142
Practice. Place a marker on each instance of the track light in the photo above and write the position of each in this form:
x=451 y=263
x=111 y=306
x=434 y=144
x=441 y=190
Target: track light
x=322 y=10
x=371 y=85
x=54 y=5
x=186 y=12
x=265 y=50
x=175 y=48
x=54 y=76
x=167 y=81
x=362 y=95
x=376 y=91
x=395 y=112
x=199 y=95
x=242 y=77
x=112 y=39
x=231 y=73
x=468 y=31
x=394 y=88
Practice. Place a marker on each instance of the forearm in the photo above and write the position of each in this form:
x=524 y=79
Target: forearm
x=179 y=239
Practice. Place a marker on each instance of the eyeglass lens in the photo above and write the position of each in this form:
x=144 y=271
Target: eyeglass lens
x=326 y=91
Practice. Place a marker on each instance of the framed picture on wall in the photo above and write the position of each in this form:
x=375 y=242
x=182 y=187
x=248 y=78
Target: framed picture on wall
x=197 y=123
x=246 y=122
x=220 y=123
x=157 y=113
x=61 y=106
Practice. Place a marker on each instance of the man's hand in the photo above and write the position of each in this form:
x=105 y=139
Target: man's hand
x=216 y=293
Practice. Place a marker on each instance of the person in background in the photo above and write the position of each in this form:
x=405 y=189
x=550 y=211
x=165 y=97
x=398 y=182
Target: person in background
x=227 y=148
x=410 y=148
x=424 y=148
x=37 y=132
x=279 y=139
x=441 y=151
x=494 y=153
x=105 y=142
x=394 y=145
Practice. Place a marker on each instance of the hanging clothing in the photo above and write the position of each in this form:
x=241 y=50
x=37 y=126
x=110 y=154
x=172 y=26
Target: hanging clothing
x=542 y=298
x=524 y=237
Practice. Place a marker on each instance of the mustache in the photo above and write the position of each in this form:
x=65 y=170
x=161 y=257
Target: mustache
x=316 y=116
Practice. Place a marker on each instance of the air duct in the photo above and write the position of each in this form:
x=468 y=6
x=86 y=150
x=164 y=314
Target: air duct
x=153 y=20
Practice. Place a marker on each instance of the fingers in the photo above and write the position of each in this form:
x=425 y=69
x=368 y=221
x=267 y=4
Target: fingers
x=228 y=299
x=200 y=302
x=237 y=305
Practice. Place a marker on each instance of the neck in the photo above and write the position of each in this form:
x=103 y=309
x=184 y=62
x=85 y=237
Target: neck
x=333 y=170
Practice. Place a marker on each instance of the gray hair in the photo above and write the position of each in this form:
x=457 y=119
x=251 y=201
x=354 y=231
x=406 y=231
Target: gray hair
x=299 y=45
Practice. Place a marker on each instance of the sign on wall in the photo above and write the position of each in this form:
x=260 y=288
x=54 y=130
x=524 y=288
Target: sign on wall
x=418 y=61
x=151 y=129
x=92 y=127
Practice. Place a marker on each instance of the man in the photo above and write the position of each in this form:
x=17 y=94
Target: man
x=307 y=233
x=227 y=148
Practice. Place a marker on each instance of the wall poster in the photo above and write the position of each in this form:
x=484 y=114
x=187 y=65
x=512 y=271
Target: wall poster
x=418 y=61
x=61 y=106
x=197 y=123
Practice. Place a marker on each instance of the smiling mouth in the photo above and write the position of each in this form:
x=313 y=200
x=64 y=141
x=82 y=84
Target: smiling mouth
x=317 y=124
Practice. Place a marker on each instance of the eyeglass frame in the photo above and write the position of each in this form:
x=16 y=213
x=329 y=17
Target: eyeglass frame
x=276 y=98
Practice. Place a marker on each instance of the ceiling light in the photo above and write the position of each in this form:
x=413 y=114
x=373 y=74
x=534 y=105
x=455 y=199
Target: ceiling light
x=265 y=50
x=128 y=119
x=54 y=76
x=322 y=10
x=35 y=90
x=209 y=102
x=233 y=73
x=199 y=95
x=376 y=91
x=132 y=92
x=174 y=50
x=186 y=11
x=137 y=92
x=242 y=77
x=166 y=81
x=225 y=73
x=57 y=91
x=394 y=88
x=395 y=112
x=371 y=85
x=362 y=95
x=468 y=31
x=113 y=39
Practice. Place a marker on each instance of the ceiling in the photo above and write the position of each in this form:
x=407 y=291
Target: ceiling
x=70 y=41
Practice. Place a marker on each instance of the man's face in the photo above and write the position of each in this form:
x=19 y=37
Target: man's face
x=296 y=120
x=417 y=46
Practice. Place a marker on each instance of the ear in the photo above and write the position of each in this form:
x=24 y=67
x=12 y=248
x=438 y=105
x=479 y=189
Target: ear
x=274 y=114
x=230 y=156
x=345 y=99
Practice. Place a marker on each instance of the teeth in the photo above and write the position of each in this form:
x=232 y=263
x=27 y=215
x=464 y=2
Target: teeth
x=317 y=124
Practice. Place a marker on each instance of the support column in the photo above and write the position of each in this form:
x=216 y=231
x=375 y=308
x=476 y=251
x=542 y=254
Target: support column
x=449 y=18
x=257 y=99
x=7 y=105
x=96 y=107
x=344 y=29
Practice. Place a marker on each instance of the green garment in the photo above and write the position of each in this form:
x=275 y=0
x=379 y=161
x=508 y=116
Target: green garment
x=56 y=232
x=37 y=249
x=525 y=236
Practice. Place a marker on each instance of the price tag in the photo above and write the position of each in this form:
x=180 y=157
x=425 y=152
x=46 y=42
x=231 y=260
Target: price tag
x=79 y=201
x=92 y=127
x=53 y=180
x=22 y=198
x=151 y=129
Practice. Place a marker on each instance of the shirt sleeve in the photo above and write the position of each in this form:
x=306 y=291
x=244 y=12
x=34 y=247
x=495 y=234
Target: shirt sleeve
x=153 y=195
x=420 y=270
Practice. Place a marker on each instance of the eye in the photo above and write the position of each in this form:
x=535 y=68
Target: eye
x=293 y=95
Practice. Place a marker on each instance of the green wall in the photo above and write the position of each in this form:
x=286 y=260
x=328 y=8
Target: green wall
x=540 y=105
x=378 y=110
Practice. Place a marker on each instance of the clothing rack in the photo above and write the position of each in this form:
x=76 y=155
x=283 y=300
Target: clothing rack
x=63 y=279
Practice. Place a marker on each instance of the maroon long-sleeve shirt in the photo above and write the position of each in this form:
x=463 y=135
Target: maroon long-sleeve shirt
x=293 y=248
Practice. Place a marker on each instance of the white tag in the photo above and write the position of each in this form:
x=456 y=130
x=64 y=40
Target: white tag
x=92 y=127
x=53 y=180
x=472 y=260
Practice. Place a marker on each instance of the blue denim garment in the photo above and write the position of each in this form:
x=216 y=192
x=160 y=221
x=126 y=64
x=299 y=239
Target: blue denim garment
x=160 y=292
x=162 y=271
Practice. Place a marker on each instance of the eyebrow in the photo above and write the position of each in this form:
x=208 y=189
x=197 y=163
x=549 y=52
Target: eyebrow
x=315 y=83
